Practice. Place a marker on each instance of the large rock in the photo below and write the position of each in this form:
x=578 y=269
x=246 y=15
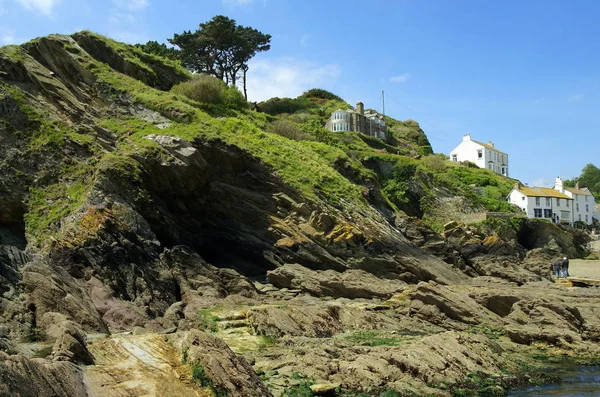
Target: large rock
x=21 y=376
x=349 y=284
x=225 y=371
x=445 y=306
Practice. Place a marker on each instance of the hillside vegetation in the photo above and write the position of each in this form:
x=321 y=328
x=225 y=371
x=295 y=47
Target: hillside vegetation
x=287 y=134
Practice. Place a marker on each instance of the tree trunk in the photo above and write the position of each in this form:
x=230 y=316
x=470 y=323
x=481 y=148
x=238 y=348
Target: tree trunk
x=245 y=92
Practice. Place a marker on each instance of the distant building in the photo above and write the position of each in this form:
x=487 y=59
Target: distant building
x=484 y=155
x=559 y=204
x=368 y=122
x=542 y=202
x=584 y=202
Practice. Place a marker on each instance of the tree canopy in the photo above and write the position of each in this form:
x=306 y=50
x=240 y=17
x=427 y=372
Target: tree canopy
x=221 y=48
x=154 y=47
x=590 y=178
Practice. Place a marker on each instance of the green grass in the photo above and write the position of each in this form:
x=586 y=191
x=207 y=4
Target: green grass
x=15 y=53
x=146 y=62
x=202 y=379
x=301 y=390
x=491 y=333
x=48 y=205
x=207 y=320
x=371 y=338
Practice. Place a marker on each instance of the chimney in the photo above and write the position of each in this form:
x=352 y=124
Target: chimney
x=466 y=137
x=577 y=185
x=559 y=185
x=360 y=108
x=491 y=143
x=518 y=186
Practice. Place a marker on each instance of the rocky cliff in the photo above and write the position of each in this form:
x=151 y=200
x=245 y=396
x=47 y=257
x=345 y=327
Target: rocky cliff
x=125 y=207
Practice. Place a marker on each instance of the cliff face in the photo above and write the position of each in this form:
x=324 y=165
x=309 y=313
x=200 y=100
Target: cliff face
x=123 y=205
x=100 y=206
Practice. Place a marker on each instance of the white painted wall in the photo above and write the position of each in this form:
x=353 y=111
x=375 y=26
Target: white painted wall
x=549 y=205
x=584 y=206
x=468 y=150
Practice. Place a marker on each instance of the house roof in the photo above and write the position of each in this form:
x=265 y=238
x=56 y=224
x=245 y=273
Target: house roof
x=579 y=191
x=488 y=146
x=542 y=192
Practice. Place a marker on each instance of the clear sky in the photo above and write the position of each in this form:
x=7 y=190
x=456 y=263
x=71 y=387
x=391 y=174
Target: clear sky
x=524 y=74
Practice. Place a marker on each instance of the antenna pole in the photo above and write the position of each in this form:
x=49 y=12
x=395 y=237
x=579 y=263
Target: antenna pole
x=383 y=102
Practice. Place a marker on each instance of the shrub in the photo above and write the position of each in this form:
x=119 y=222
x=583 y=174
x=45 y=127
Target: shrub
x=434 y=163
x=275 y=106
x=234 y=99
x=404 y=168
x=212 y=91
x=202 y=88
x=320 y=93
x=289 y=130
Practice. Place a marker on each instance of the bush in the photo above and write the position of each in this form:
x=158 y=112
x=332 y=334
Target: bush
x=234 y=99
x=202 y=88
x=212 y=91
x=289 y=130
x=434 y=163
x=405 y=168
x=320 y=93
x=275 y=106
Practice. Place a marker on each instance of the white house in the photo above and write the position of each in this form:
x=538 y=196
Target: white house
x=584 y=202
x=543 y=202
x=484 y=155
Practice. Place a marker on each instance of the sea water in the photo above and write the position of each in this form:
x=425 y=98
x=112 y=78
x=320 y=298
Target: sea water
x=576 y=382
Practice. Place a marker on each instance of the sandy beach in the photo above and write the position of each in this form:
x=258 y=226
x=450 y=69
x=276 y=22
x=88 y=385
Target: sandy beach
x=584 y=268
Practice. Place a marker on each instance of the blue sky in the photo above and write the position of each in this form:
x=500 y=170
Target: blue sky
x=522 y=74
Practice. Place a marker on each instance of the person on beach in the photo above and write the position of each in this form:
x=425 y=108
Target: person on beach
x=565 y=267
x=556 y=268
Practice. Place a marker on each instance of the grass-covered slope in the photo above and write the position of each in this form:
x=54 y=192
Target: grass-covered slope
x=288 y=135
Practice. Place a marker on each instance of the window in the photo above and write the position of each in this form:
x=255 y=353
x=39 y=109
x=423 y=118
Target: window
x=537 y=201
x=503 y=171
x=567 y=203
x=490 y=166
x=586 y=198
x=579 y=216
x=558 y=201
x=577 y=207
x=586 y=218
x=454 y=158
x=479 y=154
x=523 y=198
x=548 y=201
x=547 y=213
x=587 y=208
x=537 y=212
